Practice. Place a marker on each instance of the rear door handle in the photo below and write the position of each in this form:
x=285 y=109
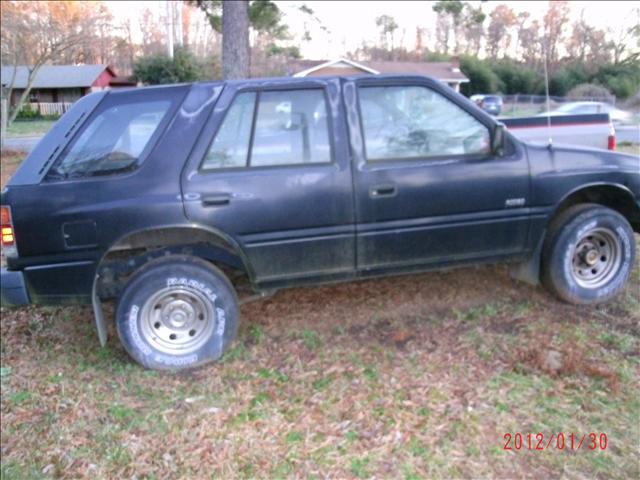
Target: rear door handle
x=378 y=191
x=216 y=200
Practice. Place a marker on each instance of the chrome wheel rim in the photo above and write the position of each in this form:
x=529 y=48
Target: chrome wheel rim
x=596 y=258
x=177 y=321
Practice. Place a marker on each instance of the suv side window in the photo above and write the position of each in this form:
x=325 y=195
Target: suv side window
x=290 y=128
x=230 y=146
x=413 y=122
x=113 y=141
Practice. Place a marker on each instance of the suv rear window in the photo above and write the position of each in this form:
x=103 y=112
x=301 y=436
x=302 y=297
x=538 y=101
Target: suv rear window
x=113 y=141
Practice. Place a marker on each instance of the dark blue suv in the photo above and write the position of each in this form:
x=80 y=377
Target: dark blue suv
x=165 y=198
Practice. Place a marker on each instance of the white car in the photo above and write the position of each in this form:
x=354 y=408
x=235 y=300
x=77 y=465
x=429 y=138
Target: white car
x=616 y=115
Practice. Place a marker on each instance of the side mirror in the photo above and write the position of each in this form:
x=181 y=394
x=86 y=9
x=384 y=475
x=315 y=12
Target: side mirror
x=497 y=139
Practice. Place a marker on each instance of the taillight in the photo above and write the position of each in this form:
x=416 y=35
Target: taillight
x=611 y=140
x=7 y=234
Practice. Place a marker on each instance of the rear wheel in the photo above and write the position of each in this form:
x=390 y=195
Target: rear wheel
x=177 y=312
x=588 y=254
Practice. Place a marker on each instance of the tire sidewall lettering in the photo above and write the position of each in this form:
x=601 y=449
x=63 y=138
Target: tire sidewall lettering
x=134 y=330
x=194 y=284
x=222 y=304
x=617 y=282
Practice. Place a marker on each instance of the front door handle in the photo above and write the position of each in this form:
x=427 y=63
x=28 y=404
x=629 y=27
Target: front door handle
x=216 y=200
x=382 y=191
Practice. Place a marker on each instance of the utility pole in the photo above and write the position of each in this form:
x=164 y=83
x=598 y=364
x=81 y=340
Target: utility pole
x=179 y=33
x=169 y=6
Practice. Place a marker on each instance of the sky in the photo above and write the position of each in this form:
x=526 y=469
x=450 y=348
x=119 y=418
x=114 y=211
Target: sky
x=349 y=23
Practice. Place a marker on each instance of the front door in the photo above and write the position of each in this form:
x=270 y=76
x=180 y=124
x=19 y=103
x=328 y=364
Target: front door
x=272 y=171
x=428 y=188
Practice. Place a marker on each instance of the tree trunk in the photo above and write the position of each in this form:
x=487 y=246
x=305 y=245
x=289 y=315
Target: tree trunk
x=235 y=39
x=25 y=93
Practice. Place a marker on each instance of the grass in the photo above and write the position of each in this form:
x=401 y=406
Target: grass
x=626 y=147
x=408 y=377
x=26 y=128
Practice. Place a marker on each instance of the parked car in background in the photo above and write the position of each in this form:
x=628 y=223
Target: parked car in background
x=491 y=104
x=617 y=116
x=167 y=199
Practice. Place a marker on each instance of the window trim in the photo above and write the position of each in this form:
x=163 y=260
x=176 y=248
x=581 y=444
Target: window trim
x=426 y=159
x=175 y=99
x=279 y=88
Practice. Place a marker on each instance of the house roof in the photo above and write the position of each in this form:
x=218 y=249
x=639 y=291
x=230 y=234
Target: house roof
x=445 y=71
x=55 y=76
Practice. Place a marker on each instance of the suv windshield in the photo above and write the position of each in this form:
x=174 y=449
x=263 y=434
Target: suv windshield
x=112 y=141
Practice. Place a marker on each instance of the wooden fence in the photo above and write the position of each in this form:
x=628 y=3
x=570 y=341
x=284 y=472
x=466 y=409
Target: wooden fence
x=50 y=109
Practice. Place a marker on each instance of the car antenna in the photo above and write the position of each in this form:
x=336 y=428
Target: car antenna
x=546 y=88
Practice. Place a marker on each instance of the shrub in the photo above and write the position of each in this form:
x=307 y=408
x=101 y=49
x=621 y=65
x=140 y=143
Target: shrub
x=621 y=79
x=28 y=113
x=481 y=78
x=565 y=79
x=633 y=103
x=517 y=78
x=589 y=90
x=161 y=69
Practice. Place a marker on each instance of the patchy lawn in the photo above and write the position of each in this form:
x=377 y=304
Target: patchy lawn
x=632 y=148
x=9 y=162
x=28 y=128
x=407 y=377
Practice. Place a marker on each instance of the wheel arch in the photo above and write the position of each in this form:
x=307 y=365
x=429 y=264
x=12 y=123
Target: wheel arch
x=220 y=247
x=616 y=196
x=612 y=195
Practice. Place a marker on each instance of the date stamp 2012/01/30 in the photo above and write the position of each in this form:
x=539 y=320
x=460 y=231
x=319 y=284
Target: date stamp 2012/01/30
x=518 y=441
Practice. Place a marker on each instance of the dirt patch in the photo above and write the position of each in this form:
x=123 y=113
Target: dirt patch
x=567 y=358
x=9 y=161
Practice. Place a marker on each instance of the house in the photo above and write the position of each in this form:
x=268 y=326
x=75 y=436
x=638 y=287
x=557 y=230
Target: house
x=447 y=72
x=61 y=83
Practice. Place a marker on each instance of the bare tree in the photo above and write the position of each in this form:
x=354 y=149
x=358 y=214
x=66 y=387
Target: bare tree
x=621 y=38
x=529 y=41
x=36 y=33
x=152 y=35
x=503 y=18
x=473 y=28
x=449 y=22
x=387 y=26
x=555 y=19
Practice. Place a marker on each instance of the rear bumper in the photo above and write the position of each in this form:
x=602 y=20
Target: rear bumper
x=14 y=289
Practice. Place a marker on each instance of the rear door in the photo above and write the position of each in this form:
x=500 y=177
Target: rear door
x=271 y=170
x=428 y=189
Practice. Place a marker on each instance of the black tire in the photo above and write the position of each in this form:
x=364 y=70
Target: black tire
x=588 y=254
x=177 y=312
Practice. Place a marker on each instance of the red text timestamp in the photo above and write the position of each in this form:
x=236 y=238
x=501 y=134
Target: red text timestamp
x=556 y=441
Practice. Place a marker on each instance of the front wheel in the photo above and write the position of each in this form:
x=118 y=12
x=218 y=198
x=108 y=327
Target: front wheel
x=177 y=312
x=588 y=255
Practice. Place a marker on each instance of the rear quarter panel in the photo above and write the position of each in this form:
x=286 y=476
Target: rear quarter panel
x=113 y=206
